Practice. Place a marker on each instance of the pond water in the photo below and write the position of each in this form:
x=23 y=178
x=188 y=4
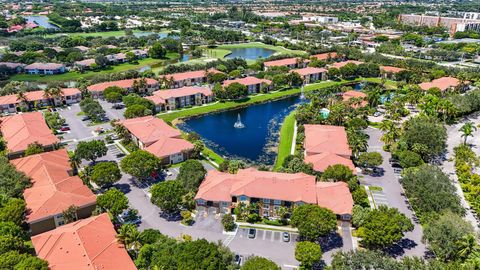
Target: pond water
x=256 y=142
x=148 y=33
x=41 y=21
x=249 y=53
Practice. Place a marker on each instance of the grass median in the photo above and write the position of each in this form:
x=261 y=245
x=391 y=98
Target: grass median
x=286 y=139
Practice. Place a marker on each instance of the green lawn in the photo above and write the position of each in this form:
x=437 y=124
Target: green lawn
x=102 y=34
x=388 y=83
x=219 y=106
x=71 y=76
x=286 y=138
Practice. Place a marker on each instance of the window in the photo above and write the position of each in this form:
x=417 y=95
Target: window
x=200 y=201
x=266 y=207
x=224 y=204
x=243 y=198
x=276 y=208
x=277 y=202
x=266 y=200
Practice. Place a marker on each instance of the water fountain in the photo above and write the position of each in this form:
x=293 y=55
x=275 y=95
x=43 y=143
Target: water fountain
x=302 y=94
x=239 y=123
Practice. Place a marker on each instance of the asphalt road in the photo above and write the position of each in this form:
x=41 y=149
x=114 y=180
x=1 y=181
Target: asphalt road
x=411 y=244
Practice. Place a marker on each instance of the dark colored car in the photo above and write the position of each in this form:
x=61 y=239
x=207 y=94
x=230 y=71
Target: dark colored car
x=251 y=233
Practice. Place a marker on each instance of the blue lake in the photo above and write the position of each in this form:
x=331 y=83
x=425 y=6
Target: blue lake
x=41 y=21
x=249 y=53
x=257 y=142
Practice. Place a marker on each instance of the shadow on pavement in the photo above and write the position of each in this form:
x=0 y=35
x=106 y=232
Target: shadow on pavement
x=399 y=248
x=331 y=241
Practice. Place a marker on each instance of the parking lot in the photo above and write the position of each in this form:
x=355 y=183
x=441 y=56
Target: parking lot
x=267 y=235
x=379 y=198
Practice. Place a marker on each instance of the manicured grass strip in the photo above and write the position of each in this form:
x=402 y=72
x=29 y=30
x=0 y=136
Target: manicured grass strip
x=375 y=188
x=286 y=137
x=388 y=83
x=71 y=76
x=219 y=106
x=212 y=155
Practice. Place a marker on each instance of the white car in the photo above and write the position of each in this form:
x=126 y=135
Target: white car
x=168 y=173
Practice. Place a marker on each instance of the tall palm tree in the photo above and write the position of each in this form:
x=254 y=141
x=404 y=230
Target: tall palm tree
x=467 y=130
x=22 y=97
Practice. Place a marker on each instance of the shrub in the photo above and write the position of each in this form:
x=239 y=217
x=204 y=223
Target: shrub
x=228 y=222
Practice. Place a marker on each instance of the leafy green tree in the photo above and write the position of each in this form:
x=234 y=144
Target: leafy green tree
x=384 y=227
x=360 y=215
x=136 y=110
x=191 y=174
x=235 y=165
x=228 y=222
x=91 y=150
x=444 y=234
x=425 y=136
x=150 y=236
x=70 y=214
x=168 y=195
x=18 y=261
x=259 y=263
x=114 y=201
x=12 y=209
x=430 y=191
x=409 y=158
x=12 y=182
x=337 y=172
x=370 y=159
x=140 y=164
x=235 y=91
x=308 y=253
x=8 y=243
x=313 y=221
x=34 y=148
x=157 y=51
x=130 y=237
x=105 y=173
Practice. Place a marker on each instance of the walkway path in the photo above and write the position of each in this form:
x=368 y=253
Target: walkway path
x=411 y=244
x=448 y=166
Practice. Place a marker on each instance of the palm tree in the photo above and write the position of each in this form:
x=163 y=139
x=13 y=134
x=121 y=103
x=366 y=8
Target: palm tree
x=130 y=237
x=467 y=130
x=22 y=97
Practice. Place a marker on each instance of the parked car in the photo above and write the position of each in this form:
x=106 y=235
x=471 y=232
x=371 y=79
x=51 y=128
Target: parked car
x=377 y=114
x=238 y=259
x=65 y=128
x=119 y=155
x=251 y=233
x=129 y=216
x=117 y=106
x=168 y=173
x=286 y=237
x=85 y=118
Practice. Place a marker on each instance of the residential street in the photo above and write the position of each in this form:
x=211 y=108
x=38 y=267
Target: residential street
x=411 y=244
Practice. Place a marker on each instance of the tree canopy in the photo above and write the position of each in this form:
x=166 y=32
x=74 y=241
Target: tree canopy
x=168 y=195
x=191 y=174
x=91 y=150
x=313 y=221
x=259 y=263
x=113 y=200
x=106 y=173
x=140 y=164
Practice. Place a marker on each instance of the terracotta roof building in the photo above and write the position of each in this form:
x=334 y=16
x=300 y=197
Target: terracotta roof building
x=341 y=64
x=443 y=84
x=88 y=244
x=223 y=191
x=290 y=63
x=311 y=74
x=325 y=56
x=37 y=99
x=253 y=84
x=325 y=146
x=21 y=130
x=157 y=137
x=97 y=89
x=14 y=67
x=178 y=98
x=53 y=190
x=177 y=80
x=346 y=96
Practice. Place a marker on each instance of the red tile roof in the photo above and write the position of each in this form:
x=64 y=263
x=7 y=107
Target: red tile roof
x=88 y=244
x=53 y=189
x=298 y=187
x=325 y=56
x=159 y=97
x=283 y=62
x=308 y=71
x=390 y=69
x=442 y=83
x=341 y=64
x=247 y=81
x=100 y=87
x=335 y=196
x=190 y=74
x=326 y=145
x=86 y=62
x=355 y=94
x=157 y=136
x=23 y=129
x=12 y=64
x=35 y=96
